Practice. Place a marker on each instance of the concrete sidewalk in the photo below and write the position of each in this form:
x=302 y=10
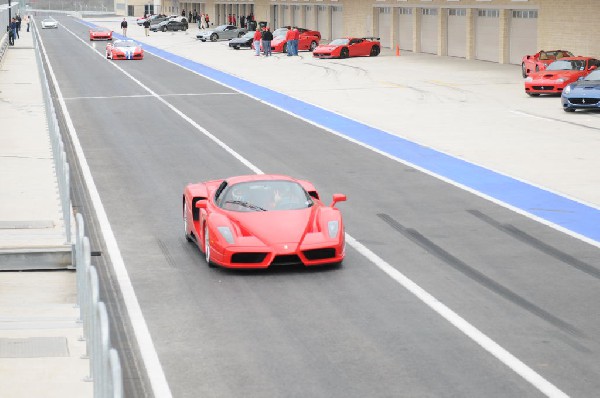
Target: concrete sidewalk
x=40 y=351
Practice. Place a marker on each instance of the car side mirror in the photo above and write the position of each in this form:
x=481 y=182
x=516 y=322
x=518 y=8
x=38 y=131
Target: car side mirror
x=201 y=204
x=593 y=67
x=338 y=197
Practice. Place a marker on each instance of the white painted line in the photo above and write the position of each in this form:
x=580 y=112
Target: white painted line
x=460 y=323
x=149 y=96
x=152 y=365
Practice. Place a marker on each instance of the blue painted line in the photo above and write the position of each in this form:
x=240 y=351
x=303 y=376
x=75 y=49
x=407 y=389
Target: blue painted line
x=567 y=213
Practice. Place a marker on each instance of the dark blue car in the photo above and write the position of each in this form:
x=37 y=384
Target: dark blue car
x=583 y=94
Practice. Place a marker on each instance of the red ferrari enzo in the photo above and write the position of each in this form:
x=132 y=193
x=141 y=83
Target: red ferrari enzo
x=539 y=61
x=558 y=75
x=349 y=47
x=124 y=49
x=257 y=221
x=99 y=33
x=309 y=39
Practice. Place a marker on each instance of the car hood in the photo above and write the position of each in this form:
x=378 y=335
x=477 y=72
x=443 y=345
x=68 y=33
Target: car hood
x=275 y=227
x=206 y=33
x=326 y=48
x=586 y=86
x=239 y=40
x=553 y=75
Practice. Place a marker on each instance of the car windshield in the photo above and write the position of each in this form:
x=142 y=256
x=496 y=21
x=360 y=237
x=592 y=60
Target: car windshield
x=573 y=64
x=248 y=35
x=339 y=42
x=99 y=30
x=220 y=28
x=125 y=44
x=48 y=20
x=266 y=195
x=593 y=77
x=281 y=32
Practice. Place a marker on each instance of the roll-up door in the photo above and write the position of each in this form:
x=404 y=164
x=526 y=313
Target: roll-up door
x=337 y=22
x=322 y=23
x=385 y=27
x=523 y=34
x=457 y=32
x=487 y=35
x=297 y=16
x=285 y=21
x=405 y=28
x=310 y=18
x=429 y=30
x=274 y=17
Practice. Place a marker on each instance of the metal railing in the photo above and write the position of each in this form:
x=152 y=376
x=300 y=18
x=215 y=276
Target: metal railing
x=61 y=165
x=105 y=366
x=3 y=25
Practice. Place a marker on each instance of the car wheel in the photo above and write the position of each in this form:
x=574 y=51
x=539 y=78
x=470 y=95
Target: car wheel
x=241 y=34
x=374 y=51
x=523 y=70
x=284 y=48
x=236 y=47
x=207 y=247
x=107 y=56
x=164 y=28
x=185 y=222
x=568 y=109
x=214 y=37
x=344 y=53
x=313 y=45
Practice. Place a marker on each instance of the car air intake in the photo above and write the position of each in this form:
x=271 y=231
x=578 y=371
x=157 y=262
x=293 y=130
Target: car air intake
x=286 y=259
x=319 y=254
x=248 y=258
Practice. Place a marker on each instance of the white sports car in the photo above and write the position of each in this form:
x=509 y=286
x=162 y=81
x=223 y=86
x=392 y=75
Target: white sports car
x=49 y=24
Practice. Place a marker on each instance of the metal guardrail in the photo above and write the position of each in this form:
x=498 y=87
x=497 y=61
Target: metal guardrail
x=3 y=31
x=105 y=366
x=61 y=165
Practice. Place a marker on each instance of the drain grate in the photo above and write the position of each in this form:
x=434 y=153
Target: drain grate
x=34 y=347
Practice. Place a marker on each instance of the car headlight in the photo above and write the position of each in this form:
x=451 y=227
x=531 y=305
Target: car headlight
x=567 y=90
x=529 y=79
x=561 y=80
x=333 y=228
x=226 y=233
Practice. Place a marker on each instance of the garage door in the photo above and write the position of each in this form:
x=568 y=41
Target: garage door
x=487 y=35
x=385 y=27
x=523 y=34
x=297 y=16
x=405 y=28
x=285 y=20
x=457 y=32
x=322 y=25
x=311 y=23
x=429 y=30
x=337 y=22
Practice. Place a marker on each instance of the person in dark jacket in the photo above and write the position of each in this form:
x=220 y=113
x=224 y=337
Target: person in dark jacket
x=11 y=32
x=124 y=27
x=147 y=27
x=267 y=37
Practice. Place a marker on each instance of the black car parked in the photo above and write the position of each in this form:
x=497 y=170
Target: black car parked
x=179 y=23
x=244 y=41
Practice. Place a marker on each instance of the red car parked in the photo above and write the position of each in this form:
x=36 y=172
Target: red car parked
x=309 y=39
x=559 y=74
x=539 y=61
x=257 y=221
x=99 y=33
x=349 y=47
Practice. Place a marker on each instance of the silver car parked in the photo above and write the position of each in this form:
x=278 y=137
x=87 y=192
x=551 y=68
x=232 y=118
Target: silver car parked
x=222 y=32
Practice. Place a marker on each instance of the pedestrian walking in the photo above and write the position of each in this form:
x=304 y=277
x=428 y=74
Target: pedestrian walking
x=289 y=41
x=147 y=27
x=11 y=32
x=124 y=27
x=27 y=21
x=18 y=18
x=256 y=42
x=207 y=21
x=296 y=40
x=267 y=37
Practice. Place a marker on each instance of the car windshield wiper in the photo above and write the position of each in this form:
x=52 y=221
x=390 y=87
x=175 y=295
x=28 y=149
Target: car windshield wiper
x=246 y=204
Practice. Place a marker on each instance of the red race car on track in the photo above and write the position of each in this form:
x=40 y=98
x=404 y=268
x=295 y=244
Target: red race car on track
x=124 y=49
x=257 y=221
x=559 y=74
x=349 y=47
x=309 y=39
x=99 y=33
x=539 y=61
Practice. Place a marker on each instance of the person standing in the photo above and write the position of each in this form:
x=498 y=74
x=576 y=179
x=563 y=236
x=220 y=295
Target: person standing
x=27 y=21
x=18 y=24
x=207 y=21
x=289 y=41
x=147 y=27
x=296 y=39
x=11 y=32
x=267 y=37
x=124 y=27
x=256 y=42
x=233 y=20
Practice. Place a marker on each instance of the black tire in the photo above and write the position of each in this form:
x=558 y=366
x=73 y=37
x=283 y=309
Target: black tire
x=185 y=222
x=236 y=47
x=164 y=28
x=569 y=110
x=107 y=56
x=214 y=37
x=207 y=247
x=523 y=70
x=344 y=52
x=313 y=45
x=284 y=48
x=375 y=51
x=241 y=34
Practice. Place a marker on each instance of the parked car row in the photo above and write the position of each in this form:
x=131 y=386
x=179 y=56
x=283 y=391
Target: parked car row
x=558 y=72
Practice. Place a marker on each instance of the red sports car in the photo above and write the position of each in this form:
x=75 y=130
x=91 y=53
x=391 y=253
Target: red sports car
x=349 y=47
x=559 y=74
x=539 y=61
x=100 y=34
x=309 y=39
x=257 y=221
x=124 y=49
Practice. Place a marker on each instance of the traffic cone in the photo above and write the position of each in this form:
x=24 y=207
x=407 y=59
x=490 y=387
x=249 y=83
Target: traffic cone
x=397 y=50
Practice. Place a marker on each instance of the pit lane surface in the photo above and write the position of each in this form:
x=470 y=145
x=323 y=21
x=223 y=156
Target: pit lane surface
x=349 y=331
